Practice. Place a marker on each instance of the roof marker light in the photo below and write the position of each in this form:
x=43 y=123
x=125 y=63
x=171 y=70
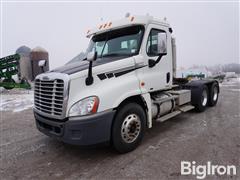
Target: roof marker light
x=100 y=27
x=132 y=18
x=105 y=25
x=88 y=31
x=109 y=24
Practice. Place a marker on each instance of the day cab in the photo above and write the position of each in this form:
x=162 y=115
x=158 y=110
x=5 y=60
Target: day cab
x=114 y=91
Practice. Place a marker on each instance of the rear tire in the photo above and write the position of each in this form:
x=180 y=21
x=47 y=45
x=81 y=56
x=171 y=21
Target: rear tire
x=213 y=95
x=128 y=128
x=203 y=99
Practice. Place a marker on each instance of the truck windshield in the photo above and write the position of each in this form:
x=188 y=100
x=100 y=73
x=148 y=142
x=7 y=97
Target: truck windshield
x=120 y=42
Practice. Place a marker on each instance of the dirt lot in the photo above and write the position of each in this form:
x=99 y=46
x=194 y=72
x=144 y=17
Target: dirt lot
x=210 y=136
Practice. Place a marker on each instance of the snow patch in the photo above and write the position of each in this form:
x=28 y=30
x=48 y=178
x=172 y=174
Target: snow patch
x=230 y=82
x=16 y=102
x=235 y=90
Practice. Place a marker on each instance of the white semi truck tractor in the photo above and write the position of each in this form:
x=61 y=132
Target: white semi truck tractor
x=124 y=82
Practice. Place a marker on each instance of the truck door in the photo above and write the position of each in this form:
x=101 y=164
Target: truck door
x=159 y=76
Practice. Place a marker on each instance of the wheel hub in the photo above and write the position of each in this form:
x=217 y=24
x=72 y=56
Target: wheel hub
x=215 y=93
x=204 y=98
x=131 y=127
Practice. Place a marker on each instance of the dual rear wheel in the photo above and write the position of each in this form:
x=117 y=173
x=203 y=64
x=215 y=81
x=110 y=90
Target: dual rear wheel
x=213 y=96
x=207 y=97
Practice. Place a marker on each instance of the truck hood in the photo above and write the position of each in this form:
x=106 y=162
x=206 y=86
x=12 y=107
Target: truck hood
x=75 y=67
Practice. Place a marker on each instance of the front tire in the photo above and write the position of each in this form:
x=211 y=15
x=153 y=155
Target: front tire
x=128 y=128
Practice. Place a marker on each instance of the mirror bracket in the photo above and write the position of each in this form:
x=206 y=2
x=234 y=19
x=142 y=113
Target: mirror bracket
x=89 y=79
x=151 y=63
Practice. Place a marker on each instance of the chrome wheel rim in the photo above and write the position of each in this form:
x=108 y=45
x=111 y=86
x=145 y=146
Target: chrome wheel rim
x=215 y=93
x=204 y=98
x=131 y=128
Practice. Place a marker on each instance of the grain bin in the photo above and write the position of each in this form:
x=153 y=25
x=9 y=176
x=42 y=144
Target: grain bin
x=25 y=65
x=38 y=54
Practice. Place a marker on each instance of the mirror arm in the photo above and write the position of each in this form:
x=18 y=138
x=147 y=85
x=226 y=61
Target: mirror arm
x=152 y=63
x=89 y=79
x=160 y=57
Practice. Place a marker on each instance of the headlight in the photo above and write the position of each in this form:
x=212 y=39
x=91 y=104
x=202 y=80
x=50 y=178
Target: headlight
x=85 y=106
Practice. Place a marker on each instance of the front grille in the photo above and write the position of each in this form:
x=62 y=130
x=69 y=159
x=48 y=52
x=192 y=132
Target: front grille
x=49 y=96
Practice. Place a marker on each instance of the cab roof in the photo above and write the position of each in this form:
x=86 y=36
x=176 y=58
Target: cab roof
x=124 y=22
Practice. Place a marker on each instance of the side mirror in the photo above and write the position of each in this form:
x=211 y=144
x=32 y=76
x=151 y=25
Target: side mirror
x=42 y=63
x=92 y=56
x=161 y=45
x=161 y=49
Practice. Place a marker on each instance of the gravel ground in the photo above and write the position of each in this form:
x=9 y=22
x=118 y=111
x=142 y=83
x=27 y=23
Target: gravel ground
x=210 y=136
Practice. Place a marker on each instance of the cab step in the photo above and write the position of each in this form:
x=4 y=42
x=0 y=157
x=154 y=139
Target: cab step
x=184 y=108
x=168 y=116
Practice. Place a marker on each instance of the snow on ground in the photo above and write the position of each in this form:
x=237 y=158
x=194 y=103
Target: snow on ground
x=236 y=90
x=230 y=82
x=16 y=100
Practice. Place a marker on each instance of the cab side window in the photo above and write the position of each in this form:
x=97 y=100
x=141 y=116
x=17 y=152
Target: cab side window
x=157 y=42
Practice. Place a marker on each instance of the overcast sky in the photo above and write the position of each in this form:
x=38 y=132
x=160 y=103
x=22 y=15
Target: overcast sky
x=206 y=33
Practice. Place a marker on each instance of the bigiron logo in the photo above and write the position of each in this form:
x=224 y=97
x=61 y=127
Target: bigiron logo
x=202 y=171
